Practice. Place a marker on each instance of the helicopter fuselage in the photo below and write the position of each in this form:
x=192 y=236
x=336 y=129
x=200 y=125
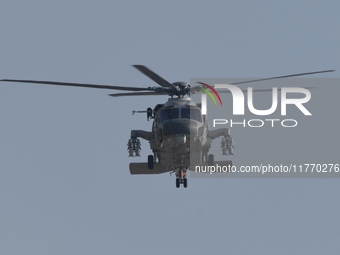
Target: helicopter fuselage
x=180 y=131
x=180 y=138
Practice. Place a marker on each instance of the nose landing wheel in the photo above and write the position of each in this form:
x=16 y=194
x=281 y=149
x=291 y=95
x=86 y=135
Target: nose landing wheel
x=181 y=179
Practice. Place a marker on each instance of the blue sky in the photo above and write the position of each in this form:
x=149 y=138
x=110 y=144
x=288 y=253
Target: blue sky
x=65 y=187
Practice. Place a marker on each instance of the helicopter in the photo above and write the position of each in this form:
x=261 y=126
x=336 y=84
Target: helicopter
x=180 y=137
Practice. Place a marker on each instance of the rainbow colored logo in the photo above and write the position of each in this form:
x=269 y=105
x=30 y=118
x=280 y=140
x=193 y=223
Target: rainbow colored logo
x=205 y=89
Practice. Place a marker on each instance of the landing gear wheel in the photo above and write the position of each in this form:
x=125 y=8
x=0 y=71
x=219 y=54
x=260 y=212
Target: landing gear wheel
x=185 y=182
x=211 y=160
x=177 y=183
x=150 y=162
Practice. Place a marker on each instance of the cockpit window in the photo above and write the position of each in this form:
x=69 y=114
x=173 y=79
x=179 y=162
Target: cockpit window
x=169 y=114
x=183 y=113
x=191 y=113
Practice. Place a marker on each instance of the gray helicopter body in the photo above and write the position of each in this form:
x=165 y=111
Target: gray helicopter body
x=180 y=137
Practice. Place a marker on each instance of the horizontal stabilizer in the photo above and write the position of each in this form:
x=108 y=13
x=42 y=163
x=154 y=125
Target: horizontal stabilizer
x=142 y=168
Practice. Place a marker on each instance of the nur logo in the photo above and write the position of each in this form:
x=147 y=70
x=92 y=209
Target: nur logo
x=239 y=100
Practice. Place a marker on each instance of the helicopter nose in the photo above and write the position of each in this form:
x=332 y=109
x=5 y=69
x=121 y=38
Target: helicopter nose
x=180 y=127
x=181 y=139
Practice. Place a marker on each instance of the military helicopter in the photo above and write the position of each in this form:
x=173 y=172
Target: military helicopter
x=180 y=136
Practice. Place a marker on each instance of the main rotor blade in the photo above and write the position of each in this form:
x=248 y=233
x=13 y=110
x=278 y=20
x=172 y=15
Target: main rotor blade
x=137 y=94
x=285 y=76
x=96 y=86
x=153 y=76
